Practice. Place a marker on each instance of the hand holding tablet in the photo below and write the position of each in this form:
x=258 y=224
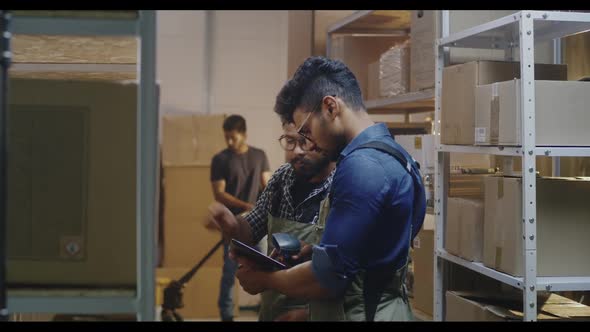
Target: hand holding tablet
x=263 y=262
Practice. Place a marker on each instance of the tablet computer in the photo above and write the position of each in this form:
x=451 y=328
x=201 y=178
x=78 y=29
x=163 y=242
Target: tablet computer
x=264 y=262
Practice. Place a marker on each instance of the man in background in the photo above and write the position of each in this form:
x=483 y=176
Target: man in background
x=238 y=174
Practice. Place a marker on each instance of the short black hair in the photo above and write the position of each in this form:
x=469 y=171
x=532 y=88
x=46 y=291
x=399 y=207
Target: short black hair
x=316 y=78
x=235 y=122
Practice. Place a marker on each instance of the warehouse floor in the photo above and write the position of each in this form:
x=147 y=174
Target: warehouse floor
x=252 y=316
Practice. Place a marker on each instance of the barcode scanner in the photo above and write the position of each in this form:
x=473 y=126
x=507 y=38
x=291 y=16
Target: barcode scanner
x=287 y=245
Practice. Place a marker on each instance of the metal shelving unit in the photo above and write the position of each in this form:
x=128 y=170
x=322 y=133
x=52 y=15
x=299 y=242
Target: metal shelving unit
x=369 y=22
x=407 y=103
x=378 y=23
x=521 y=30
x=140 y=301
x=549 y=151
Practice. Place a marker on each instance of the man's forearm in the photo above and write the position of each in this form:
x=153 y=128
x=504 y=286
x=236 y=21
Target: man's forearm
x=297 y=282
x=244 y=232
x=231 y=201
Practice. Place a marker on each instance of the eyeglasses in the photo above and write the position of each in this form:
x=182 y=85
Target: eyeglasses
x=289 y=143
x=309 y=143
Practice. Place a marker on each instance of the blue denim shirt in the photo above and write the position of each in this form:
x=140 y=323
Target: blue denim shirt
x=368 y=226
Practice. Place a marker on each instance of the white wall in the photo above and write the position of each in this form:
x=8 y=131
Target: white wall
x=248 y=66
x=180 y=60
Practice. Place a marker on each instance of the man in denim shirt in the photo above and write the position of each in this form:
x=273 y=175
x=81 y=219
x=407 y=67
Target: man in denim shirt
x=358 y=269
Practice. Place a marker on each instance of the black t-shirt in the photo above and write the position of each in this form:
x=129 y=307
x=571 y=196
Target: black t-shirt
x=242 y=173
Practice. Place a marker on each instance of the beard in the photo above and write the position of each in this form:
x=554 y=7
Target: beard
x=338 y=139
x=309 y=168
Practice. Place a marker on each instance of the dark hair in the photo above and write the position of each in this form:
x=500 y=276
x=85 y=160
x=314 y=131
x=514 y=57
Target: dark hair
x=316 y=78
x=235 y=122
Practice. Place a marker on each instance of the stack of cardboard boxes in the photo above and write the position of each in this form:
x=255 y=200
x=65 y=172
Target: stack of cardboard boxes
x=409 y=63
x=424 y=31
x=487 y=306
x=481 y=106
x=189 y=143
x=361 y=55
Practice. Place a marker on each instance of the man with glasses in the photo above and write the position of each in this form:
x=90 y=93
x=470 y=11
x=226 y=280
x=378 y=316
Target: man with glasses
x=375 y=207
x=289 y=204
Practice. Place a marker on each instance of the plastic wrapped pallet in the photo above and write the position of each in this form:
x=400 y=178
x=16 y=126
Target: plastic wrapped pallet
x=394 y=73
x=358 y=52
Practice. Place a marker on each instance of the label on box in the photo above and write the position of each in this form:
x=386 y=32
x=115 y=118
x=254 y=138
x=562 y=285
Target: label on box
x=480 y=134
x=418 y=143
x=417 y=242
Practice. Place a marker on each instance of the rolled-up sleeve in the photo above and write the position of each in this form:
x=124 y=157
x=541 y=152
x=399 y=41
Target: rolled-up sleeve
x=258 y=217
x=358 y=193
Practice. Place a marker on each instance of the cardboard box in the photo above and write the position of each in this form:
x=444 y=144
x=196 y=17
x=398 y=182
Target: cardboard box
x=188 y=193
x=467 y=185
x=482 y=306
x=201 y=293
x=574 y=166
x=563 y=226
x=458 y=95
x=187 y=241
x=421 y=148
x=423 y=31
x=373 y=91
x=423 y=265
x=358 y=52
x=71 y=183
x=191 y=139
x=464 y=228
x=498 y=115
x=471 y=160
x=459 y=278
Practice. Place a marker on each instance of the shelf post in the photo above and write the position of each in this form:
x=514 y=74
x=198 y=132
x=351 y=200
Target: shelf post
x=529 y=185
x=147 y=167
x=556 y=161
x=5 y=60
x=441 y=172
